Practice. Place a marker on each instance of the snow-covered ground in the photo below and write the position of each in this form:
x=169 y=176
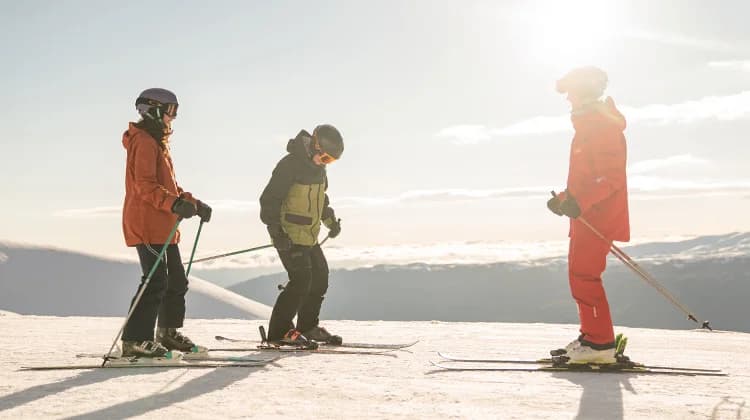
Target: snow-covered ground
x=346 y=386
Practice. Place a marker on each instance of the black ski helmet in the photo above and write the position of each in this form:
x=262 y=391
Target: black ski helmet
x=155 y=102
x=588 y=80
x=329 y=140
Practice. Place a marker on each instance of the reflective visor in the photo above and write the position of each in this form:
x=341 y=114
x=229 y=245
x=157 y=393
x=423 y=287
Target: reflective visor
x=170 y=109
x=326 y=158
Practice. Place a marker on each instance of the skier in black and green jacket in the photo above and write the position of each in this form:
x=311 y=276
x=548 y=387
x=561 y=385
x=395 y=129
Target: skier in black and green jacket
x=293 y=205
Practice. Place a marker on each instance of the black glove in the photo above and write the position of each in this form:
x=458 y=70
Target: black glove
x=570 y=207
x=204 y=212
x=183 y=208
x=280 y=239
x=334 y=228
x=553 y=204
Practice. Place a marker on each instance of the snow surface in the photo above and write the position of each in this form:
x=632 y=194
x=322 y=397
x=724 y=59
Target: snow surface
x=346 y=386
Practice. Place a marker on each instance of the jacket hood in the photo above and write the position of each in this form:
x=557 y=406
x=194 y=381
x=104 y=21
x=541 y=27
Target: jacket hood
x=300 y=145
x=599 y=113
x=130 y=133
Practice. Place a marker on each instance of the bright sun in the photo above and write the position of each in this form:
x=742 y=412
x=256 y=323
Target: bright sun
x=569 y=33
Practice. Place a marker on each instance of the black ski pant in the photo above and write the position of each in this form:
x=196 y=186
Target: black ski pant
x=164 y=296
x=303 y=295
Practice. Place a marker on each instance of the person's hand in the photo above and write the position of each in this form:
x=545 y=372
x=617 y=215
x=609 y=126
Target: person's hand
x=204 y=212
x=280 y=239
x=184 y=208
x=334 y=228
x=570 y=207
x=553 y=204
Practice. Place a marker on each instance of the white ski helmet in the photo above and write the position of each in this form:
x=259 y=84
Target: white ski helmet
x=155 y=102
x=589 y=81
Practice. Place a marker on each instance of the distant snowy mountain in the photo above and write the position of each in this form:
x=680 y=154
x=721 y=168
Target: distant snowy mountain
x=710 y=275
x=42 y=281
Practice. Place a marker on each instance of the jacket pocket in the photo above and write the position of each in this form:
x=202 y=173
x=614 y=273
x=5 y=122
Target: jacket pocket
x=297 y=219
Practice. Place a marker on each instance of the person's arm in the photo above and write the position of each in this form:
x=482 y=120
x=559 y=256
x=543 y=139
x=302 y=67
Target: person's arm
x=147 y=186
x=608 y=157
x=275 y=192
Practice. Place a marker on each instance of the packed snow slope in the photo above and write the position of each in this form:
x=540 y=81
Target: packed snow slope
x=403 y=385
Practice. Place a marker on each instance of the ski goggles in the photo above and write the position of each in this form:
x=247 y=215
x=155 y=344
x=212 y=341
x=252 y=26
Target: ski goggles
x=325 y=157
x=169 y=109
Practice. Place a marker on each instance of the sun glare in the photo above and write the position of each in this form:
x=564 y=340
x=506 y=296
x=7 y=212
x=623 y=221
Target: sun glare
x=568 y=33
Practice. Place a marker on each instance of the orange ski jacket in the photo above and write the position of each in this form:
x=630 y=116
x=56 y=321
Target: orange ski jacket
x=597 y=172
x=150 y=190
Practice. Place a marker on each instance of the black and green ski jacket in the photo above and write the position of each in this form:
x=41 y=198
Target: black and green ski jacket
x=295 y=197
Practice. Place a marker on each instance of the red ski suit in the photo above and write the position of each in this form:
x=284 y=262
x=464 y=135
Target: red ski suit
x=597 y=180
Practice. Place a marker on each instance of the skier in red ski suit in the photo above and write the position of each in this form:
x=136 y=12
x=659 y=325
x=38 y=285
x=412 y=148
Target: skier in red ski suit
x=597 y=191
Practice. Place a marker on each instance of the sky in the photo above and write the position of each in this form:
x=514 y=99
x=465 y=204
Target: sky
x=454 y=133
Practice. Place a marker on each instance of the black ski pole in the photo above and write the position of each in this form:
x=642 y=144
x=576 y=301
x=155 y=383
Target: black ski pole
x=232 y=253
x=622 y=256
x=143 y=288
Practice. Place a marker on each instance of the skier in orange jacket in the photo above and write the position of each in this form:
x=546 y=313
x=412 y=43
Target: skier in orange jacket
x=597 y=191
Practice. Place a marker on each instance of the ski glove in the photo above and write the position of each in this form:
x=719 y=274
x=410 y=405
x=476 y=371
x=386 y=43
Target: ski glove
x=570 y=207
x=204 y=212
x=334 y=227
x=553 y=204
x=183 y=208
x=280 y=239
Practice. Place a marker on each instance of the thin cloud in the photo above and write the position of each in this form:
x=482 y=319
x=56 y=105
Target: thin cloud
x=650 y=184
x=652 y=165
x=89 y=212
x=447 y=195
x=637 y=184
x=743 y=65
x=116 y=211
x=723 y=108
x=681 y=40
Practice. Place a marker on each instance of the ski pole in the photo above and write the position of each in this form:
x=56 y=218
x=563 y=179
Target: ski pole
x=143 y=288
x=195 y=245
x=643 y=274
x=232 y=253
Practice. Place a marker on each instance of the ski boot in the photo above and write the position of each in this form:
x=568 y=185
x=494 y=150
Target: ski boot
x=620 y=342
x=146 y=348
x=573 y=344
x=591 y=353
x=321 y=335
x=174 y=340
x=294 y=338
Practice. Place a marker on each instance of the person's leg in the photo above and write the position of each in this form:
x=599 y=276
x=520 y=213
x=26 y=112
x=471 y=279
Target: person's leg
x=299 y=269
x=587 y=260
x=140 y=326
x=172 y=309
x=309 y=312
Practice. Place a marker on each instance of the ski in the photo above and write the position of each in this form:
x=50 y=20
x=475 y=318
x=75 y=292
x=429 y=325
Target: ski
x=343 y=345
x=576 y=369
x=126 y=363
x=193 y=356
x=550 y=361
x=289 y=349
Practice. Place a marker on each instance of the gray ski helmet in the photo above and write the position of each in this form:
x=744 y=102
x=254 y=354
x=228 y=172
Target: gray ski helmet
x=329 y=139
x=155 y=102
x=587 y=80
